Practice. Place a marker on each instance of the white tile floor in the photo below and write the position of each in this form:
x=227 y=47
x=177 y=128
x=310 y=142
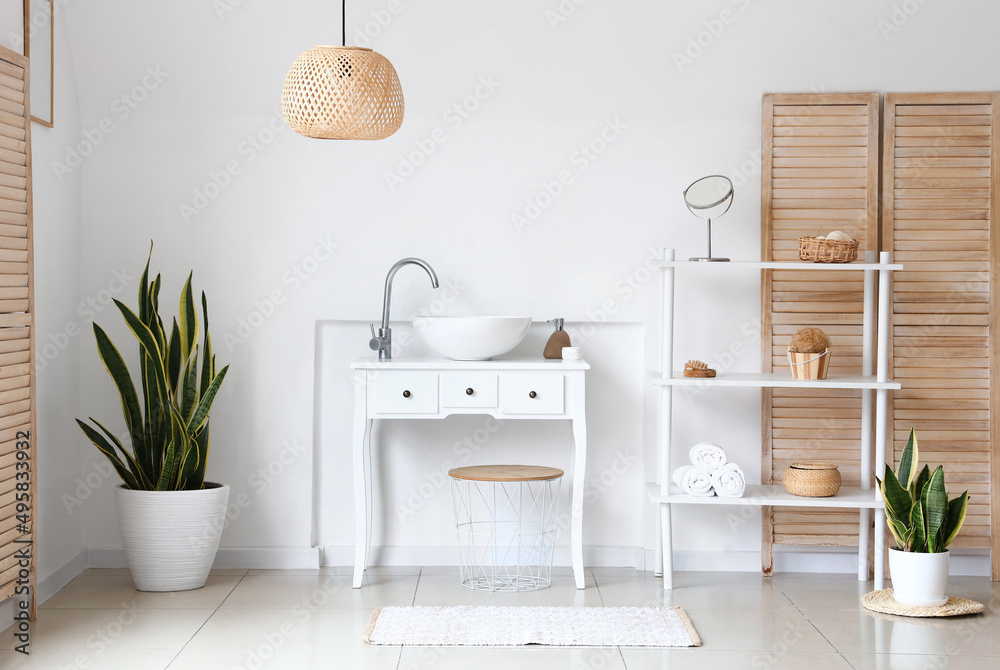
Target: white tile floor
x=261 y=619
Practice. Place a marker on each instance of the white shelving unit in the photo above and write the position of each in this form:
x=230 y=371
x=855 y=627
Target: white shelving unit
x=874 y=377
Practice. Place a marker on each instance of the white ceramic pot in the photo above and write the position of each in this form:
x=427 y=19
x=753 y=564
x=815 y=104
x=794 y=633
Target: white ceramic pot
x=919 y=580
x=171 y=537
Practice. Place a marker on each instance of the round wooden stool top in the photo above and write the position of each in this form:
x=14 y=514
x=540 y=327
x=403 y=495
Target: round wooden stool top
x=505 y=473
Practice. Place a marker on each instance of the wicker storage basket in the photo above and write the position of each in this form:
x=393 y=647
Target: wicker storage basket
x=812 y=479
x=809 y=366
x=827 y=251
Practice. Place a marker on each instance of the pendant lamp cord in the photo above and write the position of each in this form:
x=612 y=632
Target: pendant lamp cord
x=343 y=23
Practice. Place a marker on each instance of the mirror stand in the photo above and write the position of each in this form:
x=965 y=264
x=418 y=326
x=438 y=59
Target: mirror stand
x=709 y=258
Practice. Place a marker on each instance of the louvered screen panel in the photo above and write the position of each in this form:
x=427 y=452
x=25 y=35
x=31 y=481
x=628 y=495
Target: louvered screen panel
x=939 y=214
x=819 y=173
x=17 y=377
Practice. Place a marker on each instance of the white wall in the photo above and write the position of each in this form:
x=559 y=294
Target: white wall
x=210 y=80
x=59 y=325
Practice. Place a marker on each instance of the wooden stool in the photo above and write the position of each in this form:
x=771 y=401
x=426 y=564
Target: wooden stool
x=506 y=517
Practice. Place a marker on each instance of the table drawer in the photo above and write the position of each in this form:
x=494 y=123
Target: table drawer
x=406 y=392
x=532 y=394
x=466 y=388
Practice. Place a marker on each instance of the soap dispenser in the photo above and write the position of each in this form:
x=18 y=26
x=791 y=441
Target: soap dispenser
x=557 y=340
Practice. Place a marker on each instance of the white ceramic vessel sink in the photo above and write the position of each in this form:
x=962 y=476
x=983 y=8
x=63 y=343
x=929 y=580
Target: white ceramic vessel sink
x=471 y=338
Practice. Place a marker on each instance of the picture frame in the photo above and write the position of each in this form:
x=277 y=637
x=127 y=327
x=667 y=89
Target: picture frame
x=39 y=48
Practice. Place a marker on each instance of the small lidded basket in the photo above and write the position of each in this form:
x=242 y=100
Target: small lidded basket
x=821 y=250
x=812 y=479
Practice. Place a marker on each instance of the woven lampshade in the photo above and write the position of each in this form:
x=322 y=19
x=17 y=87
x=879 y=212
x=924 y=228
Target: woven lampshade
x=342 y=93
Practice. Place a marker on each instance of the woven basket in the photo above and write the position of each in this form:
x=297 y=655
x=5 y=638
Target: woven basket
x=827 y=251
x=342 y=93
x=812 y=479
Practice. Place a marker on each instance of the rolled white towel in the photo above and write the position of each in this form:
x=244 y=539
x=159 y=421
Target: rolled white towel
x=694 y=481
x=707 y=456
x=729 y=481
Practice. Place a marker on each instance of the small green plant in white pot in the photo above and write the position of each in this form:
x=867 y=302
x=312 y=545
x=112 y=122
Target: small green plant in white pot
x=171 y=519
x=924 y=522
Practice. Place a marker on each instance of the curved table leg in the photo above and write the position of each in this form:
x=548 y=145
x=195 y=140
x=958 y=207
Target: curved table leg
x=362 y=515
x=579 y=475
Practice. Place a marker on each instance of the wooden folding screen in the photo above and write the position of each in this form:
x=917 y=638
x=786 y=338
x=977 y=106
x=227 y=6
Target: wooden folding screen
x=17 y=347
x=939 y=217
x=819 y=173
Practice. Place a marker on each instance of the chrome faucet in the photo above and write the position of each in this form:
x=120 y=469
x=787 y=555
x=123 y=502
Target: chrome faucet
x=382 y=343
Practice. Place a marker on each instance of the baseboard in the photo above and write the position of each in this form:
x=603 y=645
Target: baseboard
x=47 y=587
x=271 y=558
x=407 y=556
x=243 y=558
x=969 y=562
x=50 y=585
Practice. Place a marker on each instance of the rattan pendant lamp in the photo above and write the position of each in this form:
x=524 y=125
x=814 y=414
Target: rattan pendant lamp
x=342 y=93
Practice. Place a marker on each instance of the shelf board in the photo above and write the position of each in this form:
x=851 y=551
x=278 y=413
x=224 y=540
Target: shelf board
x=783 y=265
x=781 y=379
x=776 y=496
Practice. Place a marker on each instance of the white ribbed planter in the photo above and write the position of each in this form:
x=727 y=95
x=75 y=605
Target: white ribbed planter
x=171 y=537
x=918 y=579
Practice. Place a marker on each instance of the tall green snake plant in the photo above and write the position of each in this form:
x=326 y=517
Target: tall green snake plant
x=168 y=424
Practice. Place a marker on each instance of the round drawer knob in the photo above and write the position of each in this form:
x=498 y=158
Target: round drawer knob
x=406 y=394
x=532 y=394
x=469 y=391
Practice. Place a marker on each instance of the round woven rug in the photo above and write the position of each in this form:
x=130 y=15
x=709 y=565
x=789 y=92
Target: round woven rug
x=882 y=601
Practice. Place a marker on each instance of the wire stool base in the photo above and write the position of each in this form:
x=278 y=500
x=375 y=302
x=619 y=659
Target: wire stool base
x=506 y=533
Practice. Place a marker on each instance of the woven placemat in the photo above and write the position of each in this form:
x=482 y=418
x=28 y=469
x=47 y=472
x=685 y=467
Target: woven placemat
x=882 y=601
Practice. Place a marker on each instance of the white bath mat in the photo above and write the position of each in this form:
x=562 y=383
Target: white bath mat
x=514 y=626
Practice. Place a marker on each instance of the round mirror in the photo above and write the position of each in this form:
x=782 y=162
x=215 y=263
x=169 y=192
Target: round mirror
x=707 y=197
x=709 y=192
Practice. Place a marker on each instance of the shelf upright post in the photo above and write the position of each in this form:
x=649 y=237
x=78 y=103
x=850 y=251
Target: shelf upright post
x=867 y=346
x=666 y=425
x=881 y=408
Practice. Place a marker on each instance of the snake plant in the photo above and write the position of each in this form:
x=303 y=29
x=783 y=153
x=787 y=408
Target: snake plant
x=917 y=509
x=168 y=424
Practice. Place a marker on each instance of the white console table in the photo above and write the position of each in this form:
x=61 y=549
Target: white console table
x=530 y=388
